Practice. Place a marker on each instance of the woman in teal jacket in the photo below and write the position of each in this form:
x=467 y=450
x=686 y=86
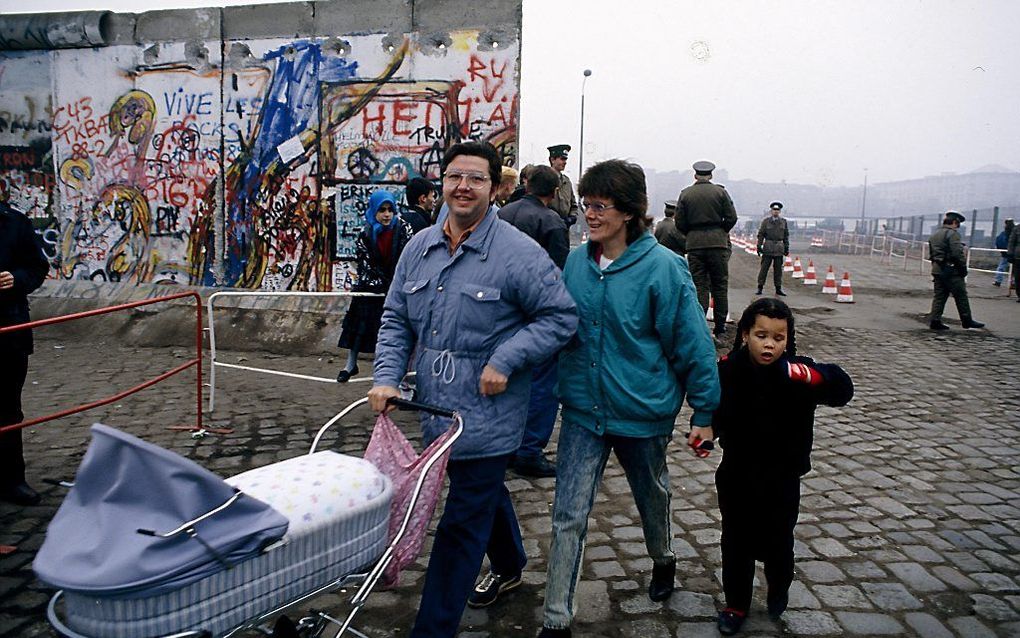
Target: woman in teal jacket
x=642 y=344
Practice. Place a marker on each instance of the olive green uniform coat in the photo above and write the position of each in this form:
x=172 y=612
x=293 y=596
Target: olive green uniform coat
x=948 y=271
x=705 y=215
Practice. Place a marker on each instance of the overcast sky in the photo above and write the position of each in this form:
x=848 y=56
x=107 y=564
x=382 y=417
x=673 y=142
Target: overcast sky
x=807 y=91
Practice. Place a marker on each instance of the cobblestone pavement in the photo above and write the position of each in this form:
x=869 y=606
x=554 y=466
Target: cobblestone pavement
x=910 y=521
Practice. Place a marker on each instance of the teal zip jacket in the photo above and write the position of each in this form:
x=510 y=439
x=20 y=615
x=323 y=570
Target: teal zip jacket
x=642 y=344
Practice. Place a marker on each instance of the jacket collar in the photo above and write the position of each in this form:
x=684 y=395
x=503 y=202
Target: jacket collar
x=479 y=241
x=633 y=254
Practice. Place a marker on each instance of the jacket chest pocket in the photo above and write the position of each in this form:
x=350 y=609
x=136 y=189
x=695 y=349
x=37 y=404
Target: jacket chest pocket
x=417 y=299
x=478 y=312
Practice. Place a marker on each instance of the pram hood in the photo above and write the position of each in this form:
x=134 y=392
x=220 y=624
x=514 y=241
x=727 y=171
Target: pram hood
x=125 y=484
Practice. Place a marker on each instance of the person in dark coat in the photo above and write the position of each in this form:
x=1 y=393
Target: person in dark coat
x=949 y=273
x=773 y=245
x=705 y=215
x=421 y=199
x=1013 y=254
x=532 y=216
x=23 y=268
x=765 y=425
x=666 y=232
x=1002 y=243
x=378 y=248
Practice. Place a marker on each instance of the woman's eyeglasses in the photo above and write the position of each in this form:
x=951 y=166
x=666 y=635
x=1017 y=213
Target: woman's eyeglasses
x=595 y=207
x=474 y=180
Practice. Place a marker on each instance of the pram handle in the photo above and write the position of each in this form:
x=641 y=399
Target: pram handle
x=404 y=404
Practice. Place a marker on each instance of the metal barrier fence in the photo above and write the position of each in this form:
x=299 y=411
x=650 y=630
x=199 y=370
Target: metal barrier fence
x=196 y=362
x=907 y=254
x=214 y=363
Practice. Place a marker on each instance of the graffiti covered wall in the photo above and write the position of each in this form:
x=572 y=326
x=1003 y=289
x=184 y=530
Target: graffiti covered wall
x=251 y=168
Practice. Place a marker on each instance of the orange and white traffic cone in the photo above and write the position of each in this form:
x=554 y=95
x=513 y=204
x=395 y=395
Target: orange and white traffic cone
x=829 y=287
x=798 y=270
x=787 y=264
x=811 y=278
x=846 y=293
x=710 y=315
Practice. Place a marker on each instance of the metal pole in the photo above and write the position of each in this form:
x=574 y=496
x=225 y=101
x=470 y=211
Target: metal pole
x=864 y=196
x=973 y=226
x=580 y=151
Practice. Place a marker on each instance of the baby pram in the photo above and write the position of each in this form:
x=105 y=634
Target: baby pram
x=149 y=544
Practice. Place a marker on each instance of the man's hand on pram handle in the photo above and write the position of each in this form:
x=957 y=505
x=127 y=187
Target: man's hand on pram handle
x=379 y=395
x=383 y=398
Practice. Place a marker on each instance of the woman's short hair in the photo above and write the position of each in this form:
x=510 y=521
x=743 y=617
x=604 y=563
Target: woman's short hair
x=624 y=183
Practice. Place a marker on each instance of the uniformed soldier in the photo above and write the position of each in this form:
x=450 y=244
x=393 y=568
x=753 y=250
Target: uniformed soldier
x=705 y=215
x=564 y=202
x=949 y=272
x=773 y=245
x=666 y=232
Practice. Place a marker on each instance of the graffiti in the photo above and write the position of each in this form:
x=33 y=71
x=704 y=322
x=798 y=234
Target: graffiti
x=254 y=173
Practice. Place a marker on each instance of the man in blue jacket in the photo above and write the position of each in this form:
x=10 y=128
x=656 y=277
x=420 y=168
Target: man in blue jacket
x=23 y=268
x=479 y=304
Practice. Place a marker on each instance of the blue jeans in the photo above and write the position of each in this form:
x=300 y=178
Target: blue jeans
x=580 y=460
x=541 y=410
x=478 y=519
x=1001 y=271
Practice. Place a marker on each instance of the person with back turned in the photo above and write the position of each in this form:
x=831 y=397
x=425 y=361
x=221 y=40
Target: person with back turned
x=949 y=272
x=23 y=268
x=705 y=215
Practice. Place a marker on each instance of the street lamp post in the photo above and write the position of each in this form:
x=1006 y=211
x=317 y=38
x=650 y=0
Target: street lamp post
x=580 y=151
x=864 y=196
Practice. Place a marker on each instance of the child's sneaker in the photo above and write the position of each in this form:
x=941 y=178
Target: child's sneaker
x=730 y=621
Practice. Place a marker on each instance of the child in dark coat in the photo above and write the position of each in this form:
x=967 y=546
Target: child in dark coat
x=765 y=424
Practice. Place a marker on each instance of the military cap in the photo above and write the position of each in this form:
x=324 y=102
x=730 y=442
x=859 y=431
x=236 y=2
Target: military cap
x=670 y=204
x=704 y=167
x=953 y=216
x=776 y=205
x=559 y=150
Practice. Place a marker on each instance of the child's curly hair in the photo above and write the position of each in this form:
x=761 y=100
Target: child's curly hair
x=773 y=309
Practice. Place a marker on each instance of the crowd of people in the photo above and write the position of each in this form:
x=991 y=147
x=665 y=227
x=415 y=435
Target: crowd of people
x=506 y=324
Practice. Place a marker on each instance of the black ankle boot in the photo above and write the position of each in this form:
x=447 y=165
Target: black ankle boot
x=662 y=585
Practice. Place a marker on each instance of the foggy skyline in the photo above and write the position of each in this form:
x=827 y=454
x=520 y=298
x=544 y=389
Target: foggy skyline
x=806 y=92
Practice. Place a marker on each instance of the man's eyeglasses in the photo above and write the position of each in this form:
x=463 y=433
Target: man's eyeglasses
x=595 y=207
x=474 y=180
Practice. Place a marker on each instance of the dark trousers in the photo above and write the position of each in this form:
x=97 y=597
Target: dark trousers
x=13 y=370
x=776 y=262
x=478 y=520
x=710 y=269
x=541 y=410
x=758 y=517
x=946 y=285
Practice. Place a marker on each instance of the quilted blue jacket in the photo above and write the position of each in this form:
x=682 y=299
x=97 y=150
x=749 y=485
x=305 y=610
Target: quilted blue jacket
x=498 y=300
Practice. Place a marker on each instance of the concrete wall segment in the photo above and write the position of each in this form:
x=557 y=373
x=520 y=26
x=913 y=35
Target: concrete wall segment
x=363 y=16
x=284 y=20
x=441 y=15
x=178 y=24
x=156 y=161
